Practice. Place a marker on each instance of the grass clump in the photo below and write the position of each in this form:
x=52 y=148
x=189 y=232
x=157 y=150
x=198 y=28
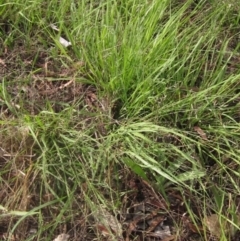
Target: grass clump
x=143 y=106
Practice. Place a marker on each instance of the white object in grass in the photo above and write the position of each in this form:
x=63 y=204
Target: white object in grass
x=54 y=27
x=62 y=237
x=64 y=42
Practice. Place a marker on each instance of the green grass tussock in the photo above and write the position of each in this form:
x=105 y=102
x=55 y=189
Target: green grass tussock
x=147 y=91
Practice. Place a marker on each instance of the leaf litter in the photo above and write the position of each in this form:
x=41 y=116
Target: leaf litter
x=62 y=237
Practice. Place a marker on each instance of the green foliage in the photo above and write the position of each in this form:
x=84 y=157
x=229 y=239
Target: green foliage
x=169 y=72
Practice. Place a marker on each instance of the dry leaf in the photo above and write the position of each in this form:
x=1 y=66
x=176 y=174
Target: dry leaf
x=213 y=224
x=2 y=63
x=154 y=222
x=172 y=237
x=103 y=230
x=62 y=237
x=200 y=132
x=162 y=232
x=108 y=223
x=215 y=227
